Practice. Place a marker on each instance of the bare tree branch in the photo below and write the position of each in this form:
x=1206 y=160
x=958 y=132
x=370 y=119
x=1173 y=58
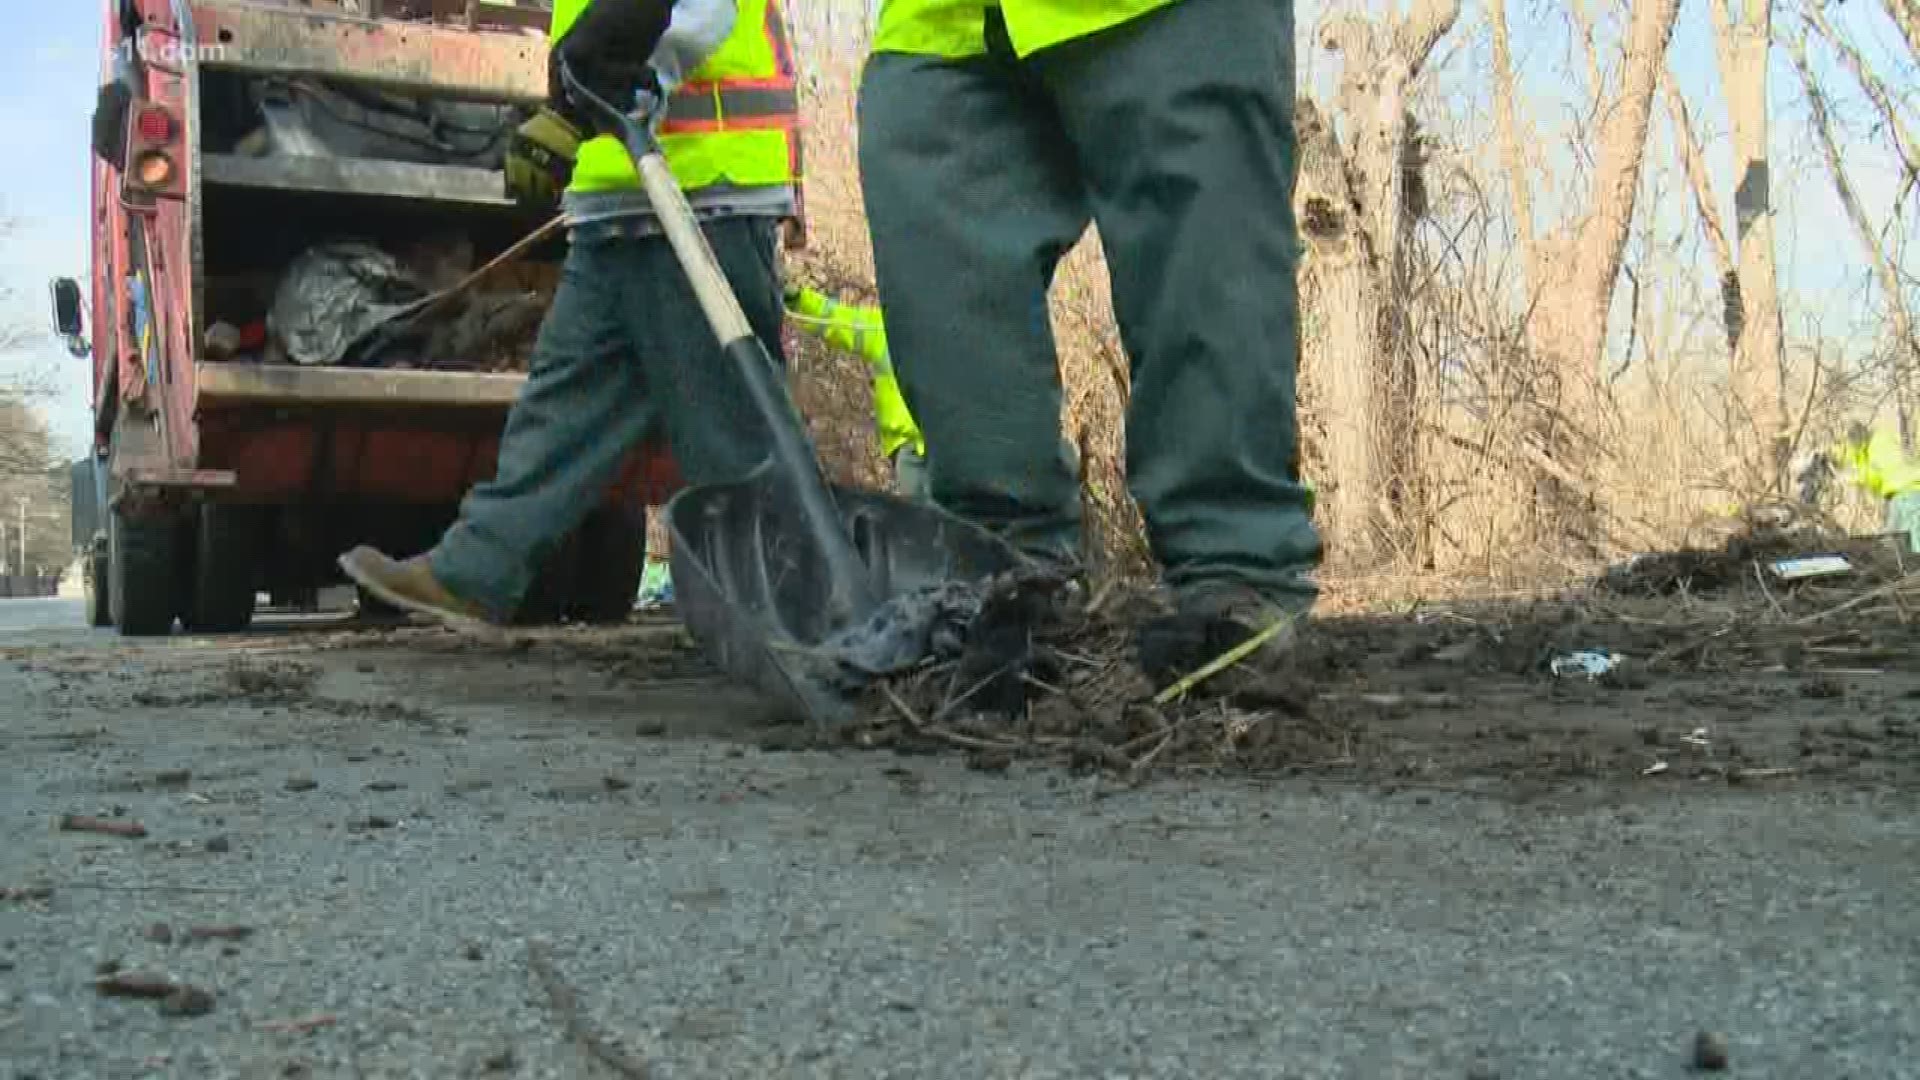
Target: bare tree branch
x=1883 y=268
x=1906 y=15
x=1687 y=145
x=1876 y=91
x=1519 y=183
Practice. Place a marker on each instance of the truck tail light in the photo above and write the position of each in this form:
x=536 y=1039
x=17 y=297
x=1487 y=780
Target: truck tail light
x=153 y=169
x=153 y=152
x=155 y=125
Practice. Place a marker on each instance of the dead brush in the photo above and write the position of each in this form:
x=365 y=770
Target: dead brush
x=1084 y=703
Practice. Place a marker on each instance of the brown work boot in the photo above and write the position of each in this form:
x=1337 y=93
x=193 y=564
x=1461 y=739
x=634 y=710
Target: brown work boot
x=411 y=586
x=1208 y=625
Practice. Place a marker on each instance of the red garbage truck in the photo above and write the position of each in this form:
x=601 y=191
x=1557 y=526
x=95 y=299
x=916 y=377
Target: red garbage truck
x=282 y=195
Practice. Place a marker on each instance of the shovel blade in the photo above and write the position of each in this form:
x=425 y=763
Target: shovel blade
x=751 y=583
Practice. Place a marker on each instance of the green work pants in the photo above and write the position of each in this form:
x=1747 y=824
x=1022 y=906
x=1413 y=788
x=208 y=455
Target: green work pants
x=1174 y=134
x=623 y=347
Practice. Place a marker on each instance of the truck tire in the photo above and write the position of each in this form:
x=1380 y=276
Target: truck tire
x=99 y=592
x=612 y=556
x=142 y=574
x=226 y=553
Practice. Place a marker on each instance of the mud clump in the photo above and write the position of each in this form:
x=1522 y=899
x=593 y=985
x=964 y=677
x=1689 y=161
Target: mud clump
x=271 y=683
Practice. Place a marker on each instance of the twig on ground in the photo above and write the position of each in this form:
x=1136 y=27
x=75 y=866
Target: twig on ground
x=1139 y=765
x=221 y=933
x=1674 y=652
x=567 y=1004
x=1101 y=597
x=302 y=1026
x=106 y=826
x=104 y=887
x=1760 y=579
x=921 y=727
x=136 y=985
x=1222 y=662
x=1871 y=594
x=1076 y=658
x=1738 y=775
x=954 y=703
x=1042 y=684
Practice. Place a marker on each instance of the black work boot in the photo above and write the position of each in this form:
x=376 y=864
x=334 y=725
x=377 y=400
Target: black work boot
x=1205 y=625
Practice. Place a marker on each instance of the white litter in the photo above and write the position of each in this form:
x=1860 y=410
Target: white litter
x=1589 y=663
x=1810 y=566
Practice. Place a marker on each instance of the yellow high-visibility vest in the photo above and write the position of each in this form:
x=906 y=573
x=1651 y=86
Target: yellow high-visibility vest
x=1880 y=465
x=956 y=29
x=736 y=120
x=861 y=331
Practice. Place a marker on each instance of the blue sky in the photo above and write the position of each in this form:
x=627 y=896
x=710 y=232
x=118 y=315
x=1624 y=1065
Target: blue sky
x=47 y=95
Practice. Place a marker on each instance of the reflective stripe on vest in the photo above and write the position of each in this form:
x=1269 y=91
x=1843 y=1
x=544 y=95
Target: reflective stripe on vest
x=735 y=121
x=956 y=29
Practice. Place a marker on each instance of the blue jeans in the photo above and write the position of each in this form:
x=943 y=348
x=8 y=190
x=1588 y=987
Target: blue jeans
x=623 y=348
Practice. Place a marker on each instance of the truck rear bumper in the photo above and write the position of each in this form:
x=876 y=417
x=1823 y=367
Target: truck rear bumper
x=223 y=386
x=317 y=436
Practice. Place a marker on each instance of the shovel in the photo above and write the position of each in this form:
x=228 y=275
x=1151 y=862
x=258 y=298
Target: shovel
x=791 y=584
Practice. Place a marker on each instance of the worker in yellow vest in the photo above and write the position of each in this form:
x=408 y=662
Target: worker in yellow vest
x=860 y=330
x=625 y=347
x=1879 y=461
x=992 y=132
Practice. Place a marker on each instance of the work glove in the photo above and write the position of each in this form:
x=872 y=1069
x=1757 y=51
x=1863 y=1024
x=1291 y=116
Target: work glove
x=608 y=49
x=540 y=158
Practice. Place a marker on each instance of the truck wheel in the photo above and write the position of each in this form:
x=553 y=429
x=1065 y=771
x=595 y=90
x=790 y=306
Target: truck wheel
x=226 y=552
x=546 y=601
x=613 y=555
x=99 y=609
x=142 y=574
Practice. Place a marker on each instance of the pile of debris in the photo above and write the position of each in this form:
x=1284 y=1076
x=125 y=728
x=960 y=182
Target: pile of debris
x=1049 y=673
x=1780 y=576
x=1054 y=677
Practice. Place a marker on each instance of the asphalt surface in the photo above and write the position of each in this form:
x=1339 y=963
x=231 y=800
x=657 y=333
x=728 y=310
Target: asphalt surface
x=393 y=820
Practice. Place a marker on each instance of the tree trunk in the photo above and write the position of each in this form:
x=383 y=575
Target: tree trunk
x=1569 y=327
x=1342 y=279
x=1358 y=212
x=1589 y=267
x=1758 y=379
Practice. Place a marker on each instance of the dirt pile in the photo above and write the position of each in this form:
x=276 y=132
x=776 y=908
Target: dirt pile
x=1575 y=684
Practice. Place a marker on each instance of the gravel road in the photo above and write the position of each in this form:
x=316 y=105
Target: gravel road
x=359 y=843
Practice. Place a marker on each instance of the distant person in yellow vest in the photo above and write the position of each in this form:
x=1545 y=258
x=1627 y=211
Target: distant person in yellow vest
x=624 y=347
x=992 y=133
x=1880 y=462
x=859 y=329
